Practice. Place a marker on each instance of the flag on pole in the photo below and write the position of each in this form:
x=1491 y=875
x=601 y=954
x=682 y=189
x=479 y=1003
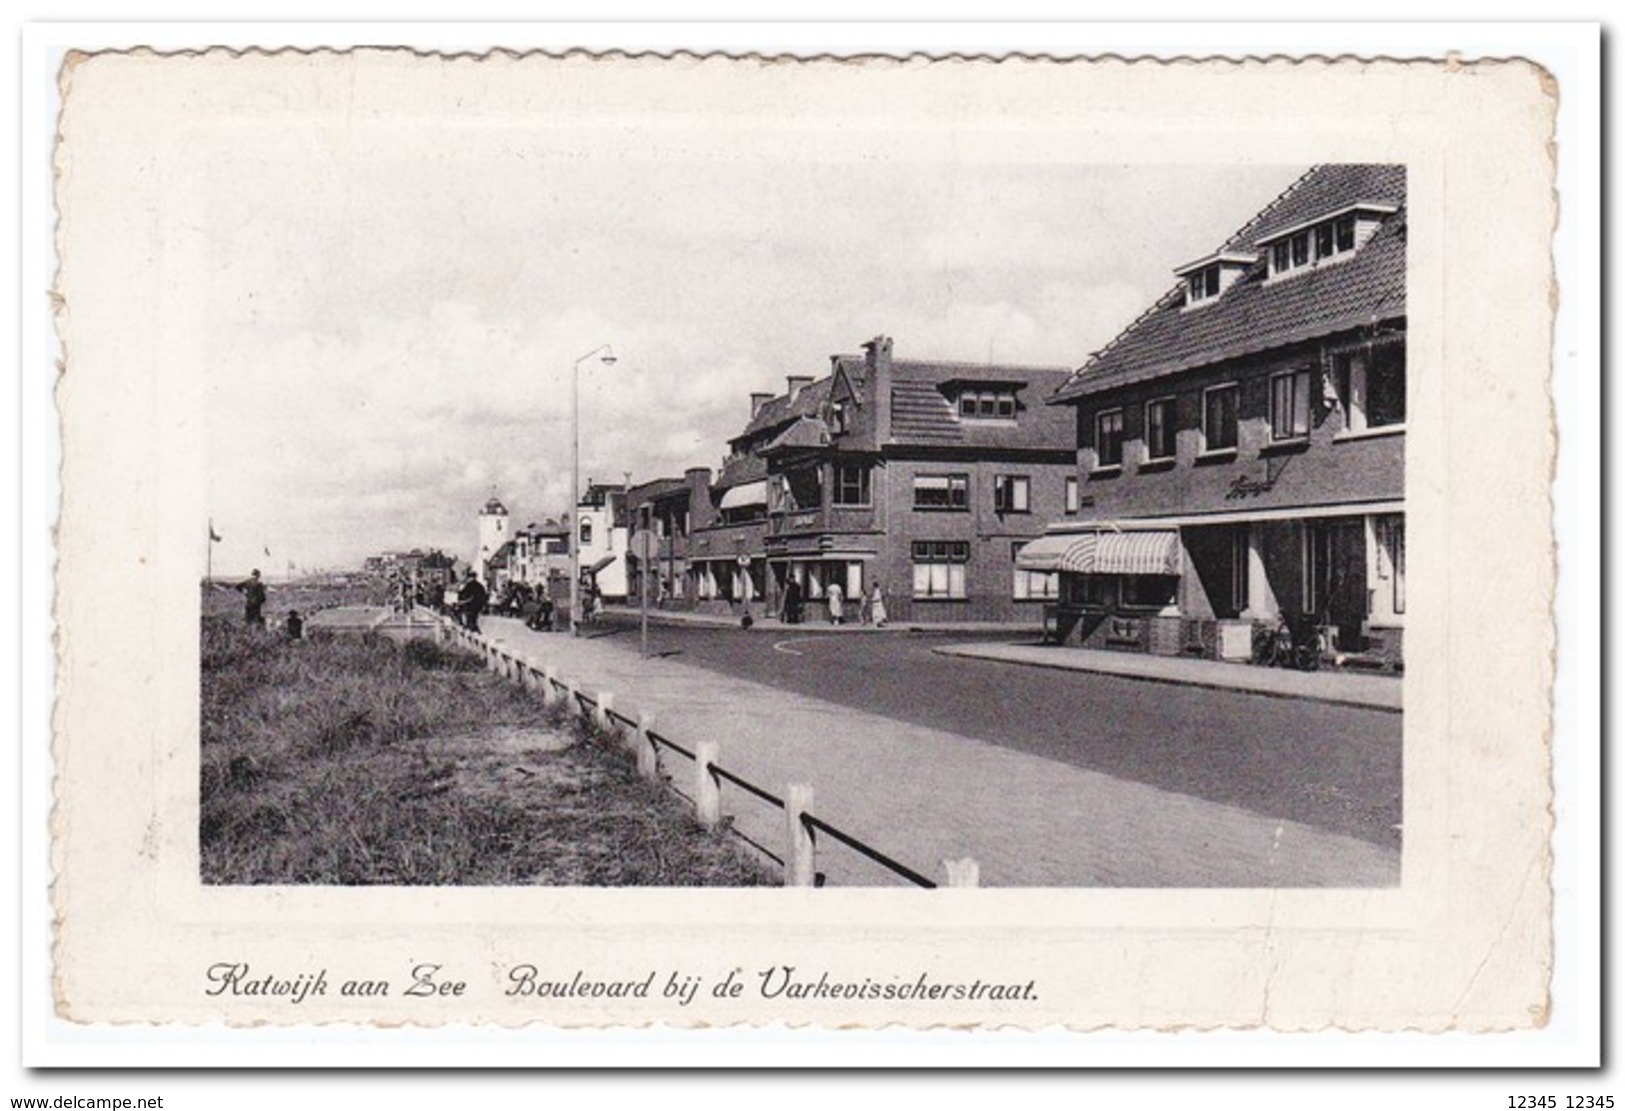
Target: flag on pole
x=267 y=551
x=214 y=537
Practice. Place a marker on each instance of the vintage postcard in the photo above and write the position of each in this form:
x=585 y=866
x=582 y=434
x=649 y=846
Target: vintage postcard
x=599 y=540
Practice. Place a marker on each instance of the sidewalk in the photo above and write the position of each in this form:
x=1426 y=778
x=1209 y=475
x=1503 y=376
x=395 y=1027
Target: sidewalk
x=923 y=795
x=1341 y=688
x=817 y=625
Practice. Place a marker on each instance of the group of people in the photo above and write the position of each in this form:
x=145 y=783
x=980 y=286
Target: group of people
x=871 y=606
x=254 y=598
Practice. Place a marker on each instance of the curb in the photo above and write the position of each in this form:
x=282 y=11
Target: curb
x=956 y=650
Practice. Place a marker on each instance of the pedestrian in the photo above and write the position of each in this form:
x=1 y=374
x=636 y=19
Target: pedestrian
x=877 y=607
x=294 y=626
x=835 y=598
x=471 y=599
x=253 y=591
x=792 y=603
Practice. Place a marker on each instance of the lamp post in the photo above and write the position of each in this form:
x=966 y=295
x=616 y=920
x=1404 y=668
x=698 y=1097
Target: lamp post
x=607 y=357
x=643 y=581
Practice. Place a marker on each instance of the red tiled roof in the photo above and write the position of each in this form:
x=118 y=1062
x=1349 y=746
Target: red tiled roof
x=1254 y=315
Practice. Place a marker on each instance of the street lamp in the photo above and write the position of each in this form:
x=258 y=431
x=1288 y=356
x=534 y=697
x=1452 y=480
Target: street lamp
x=607 y=357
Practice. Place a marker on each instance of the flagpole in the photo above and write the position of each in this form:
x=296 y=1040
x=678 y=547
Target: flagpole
x=208 y=564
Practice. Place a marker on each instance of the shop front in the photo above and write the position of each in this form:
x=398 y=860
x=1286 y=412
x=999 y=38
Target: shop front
x=1207 y=589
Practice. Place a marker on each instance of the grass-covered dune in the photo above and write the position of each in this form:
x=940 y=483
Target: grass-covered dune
x=355 y=760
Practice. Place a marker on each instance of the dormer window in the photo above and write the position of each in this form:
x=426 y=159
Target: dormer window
x=1327 y=238
x=1207 y=278
x=987 y=404
x=1202 y=284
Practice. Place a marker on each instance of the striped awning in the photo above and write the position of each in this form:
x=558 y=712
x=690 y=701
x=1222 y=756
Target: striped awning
x=1073 y=552
x=1151 y=552
x=746 y=494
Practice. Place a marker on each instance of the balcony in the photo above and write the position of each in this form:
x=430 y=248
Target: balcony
x=838 y=518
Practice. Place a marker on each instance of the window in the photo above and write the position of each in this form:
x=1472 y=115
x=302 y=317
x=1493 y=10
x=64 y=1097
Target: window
x=586 y=532
x=1316 y=561
x=778 y=495
x=1071 y=493
x=1390 y=592
x=1109 y=438
x=1159 y=428
x=1323 y=240
x=1150 y=591
x=1289 y=406
x=1331 y=237
x=851 y=484
x=1239 y=559
x=939 y=568
x=1344 y=232
x=1219 y=418
x=944 y=491
x=988 y=404
x=839 y=418
x=1033 y=585
x=1371 y=386
x=1011 y=493
x=1300 y=249
x=1203 y=284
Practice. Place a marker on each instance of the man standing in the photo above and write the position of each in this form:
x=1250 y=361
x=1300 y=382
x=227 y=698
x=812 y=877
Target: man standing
x=253 y=592
x=471 y=601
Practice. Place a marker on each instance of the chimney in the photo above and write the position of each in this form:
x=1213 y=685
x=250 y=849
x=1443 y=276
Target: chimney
x=795 y=383
x=757 y=400
x=878 y=353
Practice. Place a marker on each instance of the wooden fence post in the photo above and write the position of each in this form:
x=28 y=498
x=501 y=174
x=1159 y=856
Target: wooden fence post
x=648 y=758
x=606 y=702
x=550 y=691
x=707 y=791
x=572 y=698
x=798 y=846
x=964 y=872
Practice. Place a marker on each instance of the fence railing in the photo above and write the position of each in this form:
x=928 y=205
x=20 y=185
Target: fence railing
x=703 y=786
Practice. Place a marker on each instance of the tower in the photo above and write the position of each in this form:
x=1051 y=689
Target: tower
x=493 y=534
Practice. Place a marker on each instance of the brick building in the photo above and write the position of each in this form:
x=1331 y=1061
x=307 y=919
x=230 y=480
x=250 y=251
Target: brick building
x=1240 y=446
x=922 y=477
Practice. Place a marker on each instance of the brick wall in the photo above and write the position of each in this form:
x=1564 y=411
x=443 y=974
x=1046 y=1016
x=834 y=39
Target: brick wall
x=1328 y=469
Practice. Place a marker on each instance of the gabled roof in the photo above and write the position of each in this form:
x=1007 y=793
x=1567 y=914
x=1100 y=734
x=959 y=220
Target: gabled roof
x=1256 y=315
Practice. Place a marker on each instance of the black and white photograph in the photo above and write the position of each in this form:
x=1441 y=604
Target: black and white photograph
x=586 y=538
x=888 y=485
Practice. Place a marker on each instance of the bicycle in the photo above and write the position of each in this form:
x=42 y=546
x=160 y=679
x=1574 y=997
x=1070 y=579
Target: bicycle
x=1279 y=645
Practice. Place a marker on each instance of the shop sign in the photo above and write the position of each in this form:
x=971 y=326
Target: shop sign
x=1242 y=488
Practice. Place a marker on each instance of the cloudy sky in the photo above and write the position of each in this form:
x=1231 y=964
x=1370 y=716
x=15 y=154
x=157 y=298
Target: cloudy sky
x=393 y=313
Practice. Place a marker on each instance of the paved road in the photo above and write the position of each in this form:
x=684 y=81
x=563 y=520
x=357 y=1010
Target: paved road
x=1332 y=767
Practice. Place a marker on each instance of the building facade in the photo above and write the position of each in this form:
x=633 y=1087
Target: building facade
x=541 y=552
x=1241 y=445
x=601 y=534
x=923 y=478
